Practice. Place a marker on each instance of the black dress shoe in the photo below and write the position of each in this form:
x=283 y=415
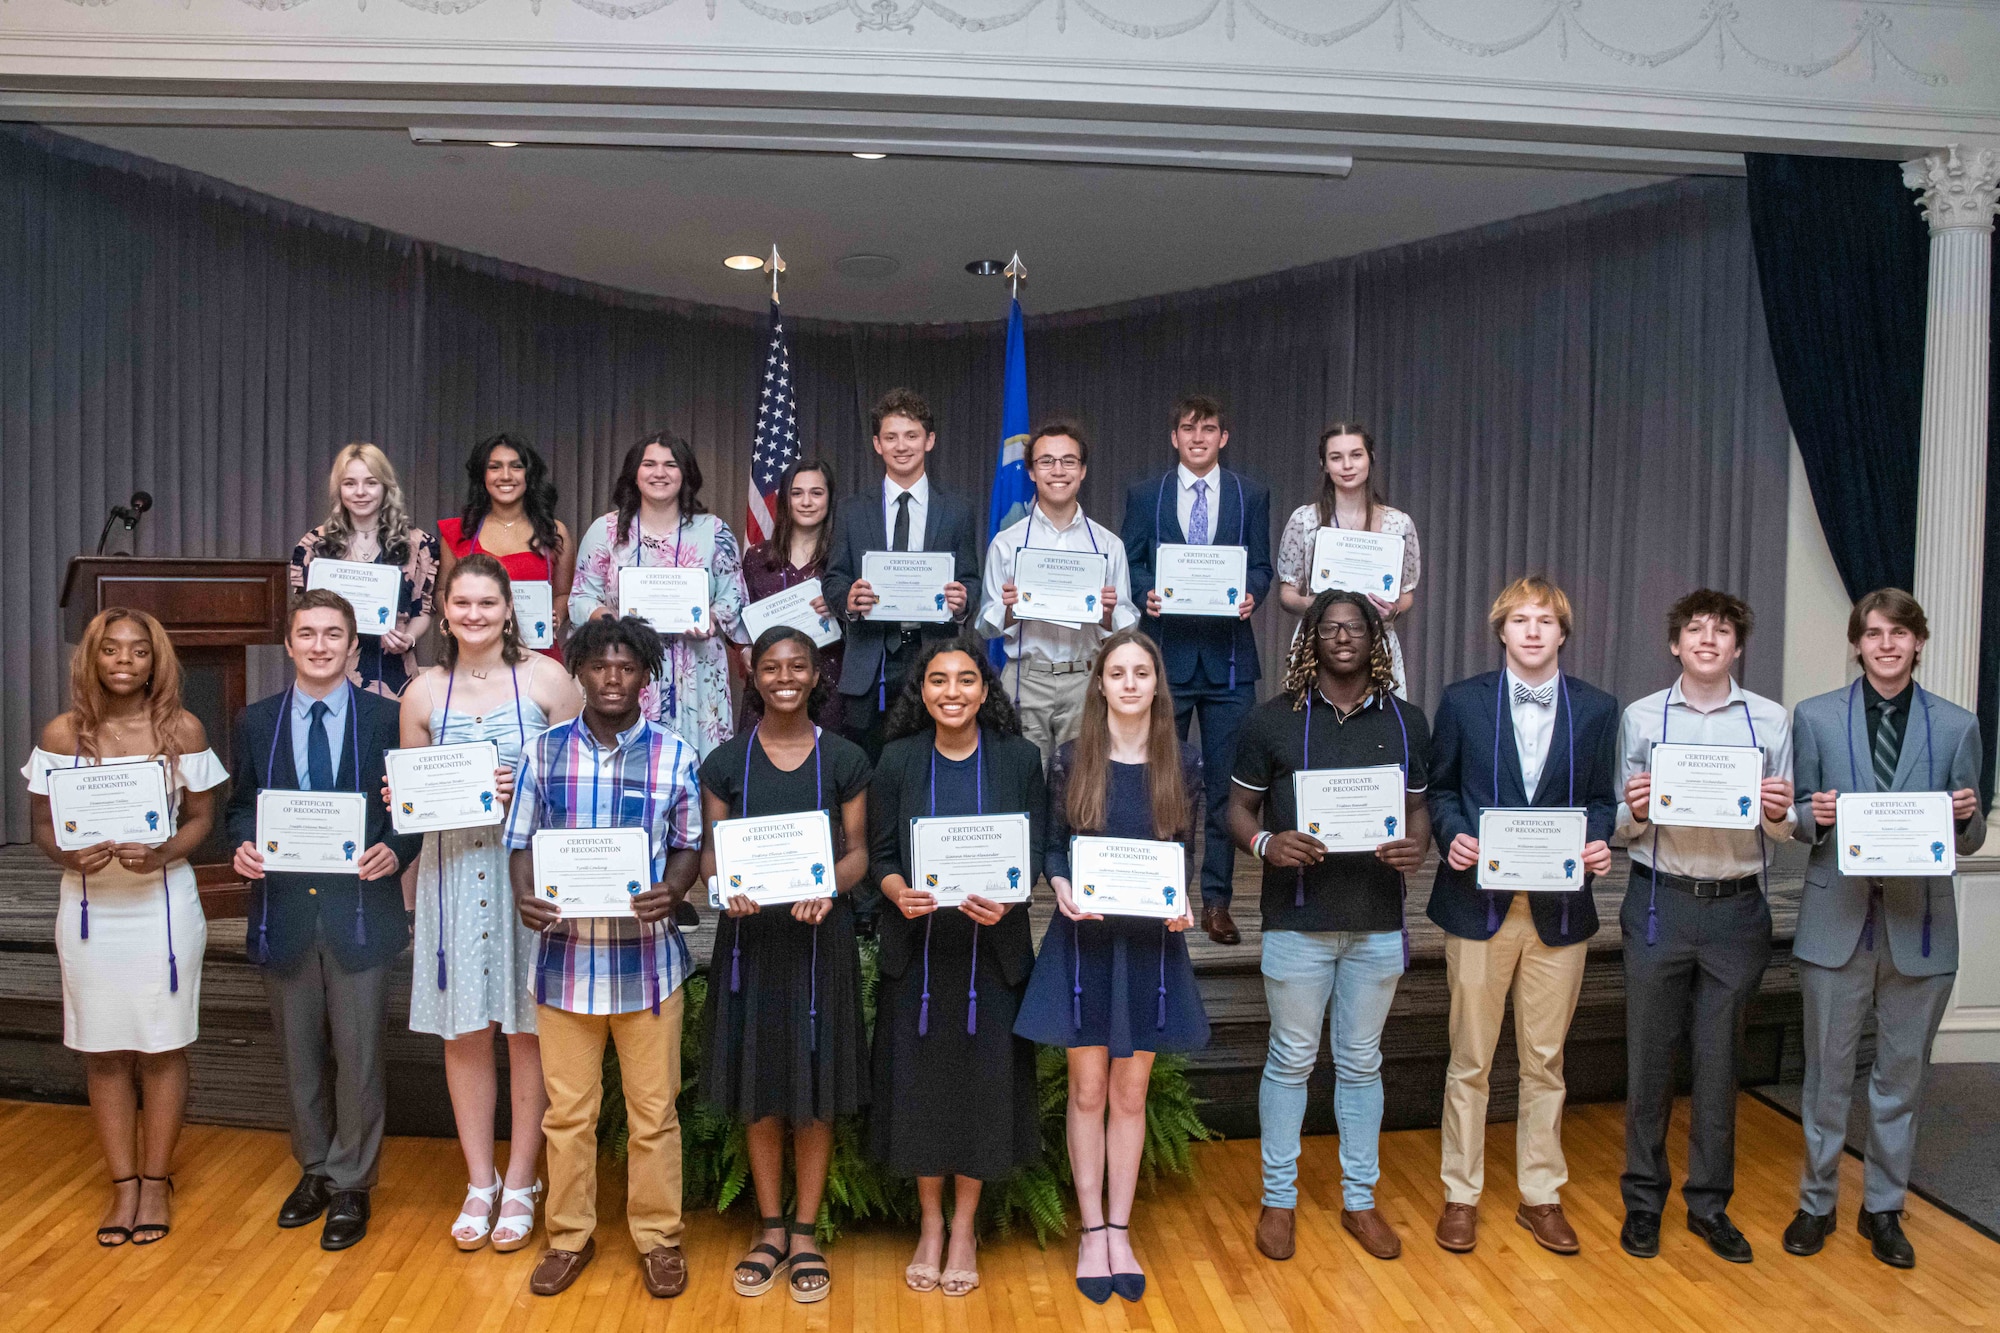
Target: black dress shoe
x=346 y=1220
x=1640 y=1236
x=306 y=1201
x=1808 y=1232
x=1885 y=1235
x=1722 y=1237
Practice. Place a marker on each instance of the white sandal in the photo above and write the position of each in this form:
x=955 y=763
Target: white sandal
x=483 y=1224
x=512 y=1233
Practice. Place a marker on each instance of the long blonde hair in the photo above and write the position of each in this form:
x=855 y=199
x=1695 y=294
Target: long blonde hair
x=89 y=701
x=1090 y=765
x=392 y=520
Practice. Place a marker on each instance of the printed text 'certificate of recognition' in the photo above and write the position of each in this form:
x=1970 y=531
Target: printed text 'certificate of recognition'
x=372 y=590
x=1066 y=587
x=1200 y=580
x=1128 y=877
x=1538 y=851
x=443 y=787
x=1896 y=833
x=908 y=585
x=670 y=599
x=983 y=854
x=1707 y=786
x=1351 y=809
x=592 y=871
x=535 y=612
x=114 y=802
x=775 y=858
x=1358 y=561
x=318 y=832
x=794 y=607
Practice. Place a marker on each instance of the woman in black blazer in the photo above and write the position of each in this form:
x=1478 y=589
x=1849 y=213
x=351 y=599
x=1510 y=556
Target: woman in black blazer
x=954 y=1088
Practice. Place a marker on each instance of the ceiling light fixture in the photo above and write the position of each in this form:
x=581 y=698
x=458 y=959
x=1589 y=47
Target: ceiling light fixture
x=503 y=143
x=986 y=268
x=743 y=263
x=870 y=157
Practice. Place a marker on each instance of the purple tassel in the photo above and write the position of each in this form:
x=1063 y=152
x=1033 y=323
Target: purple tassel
x=1868 y=929
x=812 y=1011
x=1403 y=912
x=736 y=959
x=360 y=923
x=84 y=914
x=1076 y=975
x=440 y=967
x=1492 y=913
x=173 y=963
x=1160 y=1023
x=972 y=988
x=1299 y=898
x=924 y=1009
x=1563 y=928
x=653 y=965
x=264 y=931
x=541 y=984
x=1927 y=920
x=173 y=974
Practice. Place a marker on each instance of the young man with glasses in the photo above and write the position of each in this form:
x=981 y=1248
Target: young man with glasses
x=1048 y=662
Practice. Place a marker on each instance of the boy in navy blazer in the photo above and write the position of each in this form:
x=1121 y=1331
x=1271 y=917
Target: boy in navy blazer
x=1211 y=661
x=1526 y=735
x=326 y=942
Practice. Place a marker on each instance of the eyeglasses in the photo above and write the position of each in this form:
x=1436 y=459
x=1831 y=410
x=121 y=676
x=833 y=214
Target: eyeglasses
x=1064 y=463
x=1343 y=629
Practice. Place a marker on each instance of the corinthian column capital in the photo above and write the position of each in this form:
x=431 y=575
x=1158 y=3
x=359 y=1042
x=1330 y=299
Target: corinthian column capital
x=1958 y=189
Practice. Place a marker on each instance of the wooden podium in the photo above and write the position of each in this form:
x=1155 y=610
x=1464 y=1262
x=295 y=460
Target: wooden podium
x=213 y=610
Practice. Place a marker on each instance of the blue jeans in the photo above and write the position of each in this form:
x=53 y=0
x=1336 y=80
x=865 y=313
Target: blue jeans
x=1357 y=972
x=1222 y=711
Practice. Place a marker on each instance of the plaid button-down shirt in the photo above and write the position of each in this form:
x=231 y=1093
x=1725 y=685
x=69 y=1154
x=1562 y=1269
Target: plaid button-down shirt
x=566 y=780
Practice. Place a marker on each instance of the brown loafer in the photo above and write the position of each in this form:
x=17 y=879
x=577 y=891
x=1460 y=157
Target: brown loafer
x=1215 y=920
x=664 y=1270
x=1373 y=1231
x=557 y=1269
x=1458 y=1227
x=1551 y=1230
x=1277 y=1233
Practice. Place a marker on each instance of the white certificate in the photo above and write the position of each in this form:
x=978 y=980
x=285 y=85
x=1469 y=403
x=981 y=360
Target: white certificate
x=775 y=858
x=1128 y=877
x=535 y=612
x=671 y=600
x=592 y=871
x=1537 y=850
x=374 y=591
x=1707 y=786
x=118 y=801
x=1200 y=580
x=1066 y=587
x=311 y=832
x=794 y=607
x=983 y=854
x=908 y=585
x=1357 y=561
x=443 y=787
x=1351 y=809
x=1896 y=833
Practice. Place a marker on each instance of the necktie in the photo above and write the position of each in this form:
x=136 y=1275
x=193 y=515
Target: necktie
x=1545 y=694
x=319 y=750
x=1888 y=749
x=1197 y=533
x=901 y=541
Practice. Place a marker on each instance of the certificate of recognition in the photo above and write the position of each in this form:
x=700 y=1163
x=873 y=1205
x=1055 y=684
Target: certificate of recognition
x=1357 y=561
x=775 y=858
x=535 y=612
x=311 y=831
x=1540 y=851
x=671 y=600
x=983 y=854
x=372 y=590
x=443 y=787
x=1128 y=877
x=592 y=871
x=1896 y=833
x=1707 y=786
x=1066 y=587
x=1350 y=809
x=113 y=802
x=1200 y=580
x=794 y=607
x=909 y=585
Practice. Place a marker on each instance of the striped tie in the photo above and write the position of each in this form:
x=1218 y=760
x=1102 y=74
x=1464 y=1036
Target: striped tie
x=1888 y=746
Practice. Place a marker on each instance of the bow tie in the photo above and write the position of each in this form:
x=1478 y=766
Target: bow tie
x=1545 y=695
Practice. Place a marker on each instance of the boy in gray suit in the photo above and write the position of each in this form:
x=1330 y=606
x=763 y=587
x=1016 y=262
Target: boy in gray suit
x=1889 y=944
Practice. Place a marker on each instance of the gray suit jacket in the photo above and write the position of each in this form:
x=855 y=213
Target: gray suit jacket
x=1942 y=754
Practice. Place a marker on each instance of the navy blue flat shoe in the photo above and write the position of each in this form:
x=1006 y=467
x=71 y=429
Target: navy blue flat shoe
x=1132 y=1286
x=1097 y=1290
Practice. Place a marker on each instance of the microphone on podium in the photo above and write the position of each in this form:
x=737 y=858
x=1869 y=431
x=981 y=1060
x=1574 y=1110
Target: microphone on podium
x=128 y=513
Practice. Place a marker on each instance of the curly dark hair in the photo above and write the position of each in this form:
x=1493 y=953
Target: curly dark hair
x=908 y=716
x=1302 y=666
x=822 y=689
x=595 y=638
x=625 y=491
x=538 y=497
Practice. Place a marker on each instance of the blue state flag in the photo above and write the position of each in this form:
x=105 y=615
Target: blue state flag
x=1012 y=491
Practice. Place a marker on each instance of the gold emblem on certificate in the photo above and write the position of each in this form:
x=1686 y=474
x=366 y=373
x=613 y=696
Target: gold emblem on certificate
x=1896 y=833
x=1351 y=809
x=1128 y=877
x=1706 y=786
x=957 y=857
x=1535 y=851
x=775 y=858
x=443 y=787
x=119 y=801
x=671 y=600
x=592 y=872
x=1200 y=580
x=311 y=832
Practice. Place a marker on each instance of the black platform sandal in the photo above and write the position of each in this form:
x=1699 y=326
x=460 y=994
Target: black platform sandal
x=808 y=1263
x=156 y=1231
x=112 y=1237
x=763 y=1274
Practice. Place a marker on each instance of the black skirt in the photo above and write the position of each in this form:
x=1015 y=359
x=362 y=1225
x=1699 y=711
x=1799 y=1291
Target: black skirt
x=787 y=1036
x=951 y=1101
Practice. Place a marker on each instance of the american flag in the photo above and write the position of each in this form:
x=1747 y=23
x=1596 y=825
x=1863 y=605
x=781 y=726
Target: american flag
x=776 y=444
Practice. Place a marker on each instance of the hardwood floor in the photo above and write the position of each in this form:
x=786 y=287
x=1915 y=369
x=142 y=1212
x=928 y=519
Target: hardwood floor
x=227 y=1266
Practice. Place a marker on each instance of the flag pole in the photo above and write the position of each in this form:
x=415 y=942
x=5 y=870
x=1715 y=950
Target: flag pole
x=1016 y=273
x=776 y=265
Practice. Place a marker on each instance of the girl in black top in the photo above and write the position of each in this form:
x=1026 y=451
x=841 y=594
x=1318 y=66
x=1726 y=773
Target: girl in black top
x=785 y=981
x=954 y=1087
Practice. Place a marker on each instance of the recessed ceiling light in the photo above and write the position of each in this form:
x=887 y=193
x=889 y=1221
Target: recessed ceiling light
x=503 y=143
x=986 y=268
x=743 y=262
x=871 y=157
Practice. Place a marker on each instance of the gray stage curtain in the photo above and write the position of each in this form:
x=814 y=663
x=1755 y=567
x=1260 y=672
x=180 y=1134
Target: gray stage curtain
x=1585 y=392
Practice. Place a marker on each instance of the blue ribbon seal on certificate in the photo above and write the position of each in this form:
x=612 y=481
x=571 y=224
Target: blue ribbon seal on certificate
x=486 y=800
x=1389 y=825
x=819 y=873
x=346 y=849
x=153 y=819
x=1743 y=805
x=1937 y=852
x=632 y=887
x=1569 y=869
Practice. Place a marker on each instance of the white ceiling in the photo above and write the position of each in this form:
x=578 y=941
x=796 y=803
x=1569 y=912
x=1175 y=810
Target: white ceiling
x=661 y=221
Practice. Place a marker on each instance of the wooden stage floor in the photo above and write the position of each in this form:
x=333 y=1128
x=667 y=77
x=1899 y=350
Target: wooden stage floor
x=227 y=1266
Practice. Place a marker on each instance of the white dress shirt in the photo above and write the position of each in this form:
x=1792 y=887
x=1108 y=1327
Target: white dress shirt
x=1534 y=728
x=920 y=508
x=1702 y=853
x=1184 y=499
x=1041 y=638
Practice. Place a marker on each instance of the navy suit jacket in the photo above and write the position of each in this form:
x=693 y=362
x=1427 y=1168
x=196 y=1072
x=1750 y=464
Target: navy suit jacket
x=364 y=921
x=1199 y=650
x=949 y=525
x=1462 y=785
